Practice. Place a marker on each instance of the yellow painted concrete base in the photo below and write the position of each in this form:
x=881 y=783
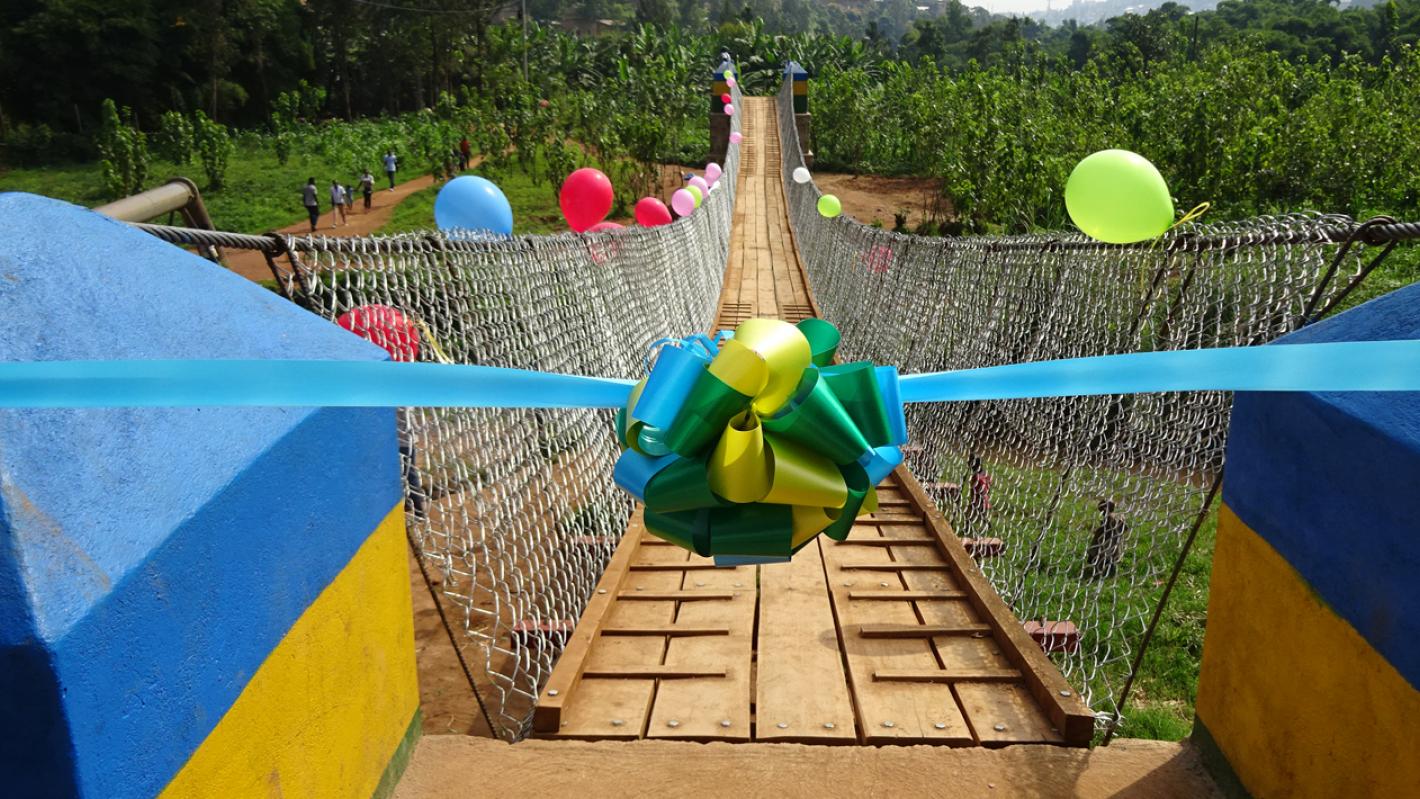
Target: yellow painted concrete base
x=1296 y=700
x=327 y=710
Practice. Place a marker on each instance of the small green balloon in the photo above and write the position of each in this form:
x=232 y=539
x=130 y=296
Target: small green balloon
x=829 y=206
x=695 y=192
x=1118 y=197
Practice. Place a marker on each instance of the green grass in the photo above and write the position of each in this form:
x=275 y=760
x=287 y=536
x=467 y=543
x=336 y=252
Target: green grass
x=259 y=194
x=1162 y=700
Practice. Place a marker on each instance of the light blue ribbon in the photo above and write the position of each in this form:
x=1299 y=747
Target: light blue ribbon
x=1341 y=366
x=149 y=384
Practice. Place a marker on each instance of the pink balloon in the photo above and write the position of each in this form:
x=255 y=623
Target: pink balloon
x=384 y=326
x=651 y=212
x=729 y=109
x=683 y=202
x=713 y=172
x=602 y=227
x=731 y=82
x=699 y=183
x=736 y=138
x=585 y=198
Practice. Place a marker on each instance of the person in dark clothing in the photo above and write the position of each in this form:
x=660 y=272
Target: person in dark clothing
x=465 y=154
x=978 y=507
x=367 y=187
x=310 y=197
x=1107 y=545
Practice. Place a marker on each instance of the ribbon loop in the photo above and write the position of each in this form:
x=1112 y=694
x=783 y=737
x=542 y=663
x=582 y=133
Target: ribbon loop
x=748 y=446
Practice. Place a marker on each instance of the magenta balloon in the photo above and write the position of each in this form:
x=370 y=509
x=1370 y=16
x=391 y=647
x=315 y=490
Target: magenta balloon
x=602 y=227
x=585 y=198
x=729 y=109
x=700 y=183
x=682 y=202
x=736 y=138
x=713 y=172
x=651 y=212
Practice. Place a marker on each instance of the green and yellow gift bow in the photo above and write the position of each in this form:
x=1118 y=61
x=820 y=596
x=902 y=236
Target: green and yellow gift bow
x=746 y=446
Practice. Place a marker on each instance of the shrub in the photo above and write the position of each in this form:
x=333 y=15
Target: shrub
x=123 y=152
x=214 y=147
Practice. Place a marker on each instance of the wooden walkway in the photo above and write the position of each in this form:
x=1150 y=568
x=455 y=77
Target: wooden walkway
x=890 y=637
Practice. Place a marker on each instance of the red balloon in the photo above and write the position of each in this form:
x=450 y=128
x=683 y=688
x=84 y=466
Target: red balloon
x=725 y=98
x=585 y=198
x=651 y=212
x=602 y=227
x=384 y=326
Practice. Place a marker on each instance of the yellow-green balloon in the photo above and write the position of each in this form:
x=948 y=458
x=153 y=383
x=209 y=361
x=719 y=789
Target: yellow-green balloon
x=829 y=206
x=695 y=192
x=1118 y=197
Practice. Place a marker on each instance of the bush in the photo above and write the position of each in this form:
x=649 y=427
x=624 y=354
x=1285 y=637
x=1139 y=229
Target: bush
x=175 y=138
x=214 y=147
x=123 y=152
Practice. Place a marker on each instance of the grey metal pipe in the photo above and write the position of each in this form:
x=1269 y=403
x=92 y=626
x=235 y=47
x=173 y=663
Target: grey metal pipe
x=177 y=195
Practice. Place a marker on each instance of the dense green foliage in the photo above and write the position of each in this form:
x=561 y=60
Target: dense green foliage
x=1241 y=127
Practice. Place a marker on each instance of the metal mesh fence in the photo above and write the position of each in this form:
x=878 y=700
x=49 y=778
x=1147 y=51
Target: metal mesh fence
x=517 y=509
x=1091 y=498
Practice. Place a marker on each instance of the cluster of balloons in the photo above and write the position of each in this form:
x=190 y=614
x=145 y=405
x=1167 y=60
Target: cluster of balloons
x=473 y=203
x=1118 y=197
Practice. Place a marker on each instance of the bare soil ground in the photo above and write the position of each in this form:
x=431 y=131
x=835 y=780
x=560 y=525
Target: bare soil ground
x=448 y=704
x=459 y=766
x=870 y=198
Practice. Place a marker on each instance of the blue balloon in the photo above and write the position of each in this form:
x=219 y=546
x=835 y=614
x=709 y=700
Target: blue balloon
x=473 y=203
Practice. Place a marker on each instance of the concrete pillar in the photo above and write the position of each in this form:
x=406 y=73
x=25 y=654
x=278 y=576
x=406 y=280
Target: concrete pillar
x=1310 y=662
x=802 y=118
x=719 y=123
x=193 y=601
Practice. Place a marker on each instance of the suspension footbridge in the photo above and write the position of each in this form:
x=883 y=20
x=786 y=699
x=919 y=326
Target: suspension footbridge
x=1002 y=591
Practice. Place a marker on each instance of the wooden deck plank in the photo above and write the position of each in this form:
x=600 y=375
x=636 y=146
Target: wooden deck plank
x=802 y=692
x=889 y=712
x=698 y=708
x=600 y=703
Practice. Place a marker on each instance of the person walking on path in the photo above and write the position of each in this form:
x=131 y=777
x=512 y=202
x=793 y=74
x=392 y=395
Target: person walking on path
x=310 y=199
x=465 y=154
x=337 y=199
x=367 y=187
x=391 y=165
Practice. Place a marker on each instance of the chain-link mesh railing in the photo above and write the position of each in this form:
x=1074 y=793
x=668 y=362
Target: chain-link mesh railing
x=517 y=509
x=1091 y=497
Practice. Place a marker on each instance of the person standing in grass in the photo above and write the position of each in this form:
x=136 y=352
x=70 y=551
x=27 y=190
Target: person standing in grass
x=465 y=154
x=367 y=187
x=337 y=199
x=310 y=198
x=1107 y=544
x=978 y=509
x=391 y=164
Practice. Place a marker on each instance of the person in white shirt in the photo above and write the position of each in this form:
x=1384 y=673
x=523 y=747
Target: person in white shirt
x=337 y=199
x=391 y=164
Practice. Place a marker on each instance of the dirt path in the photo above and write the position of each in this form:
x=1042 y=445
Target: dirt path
x=252 y=265
x=448 y=766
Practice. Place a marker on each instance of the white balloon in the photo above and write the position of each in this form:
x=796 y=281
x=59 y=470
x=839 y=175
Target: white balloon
x=801 y=175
